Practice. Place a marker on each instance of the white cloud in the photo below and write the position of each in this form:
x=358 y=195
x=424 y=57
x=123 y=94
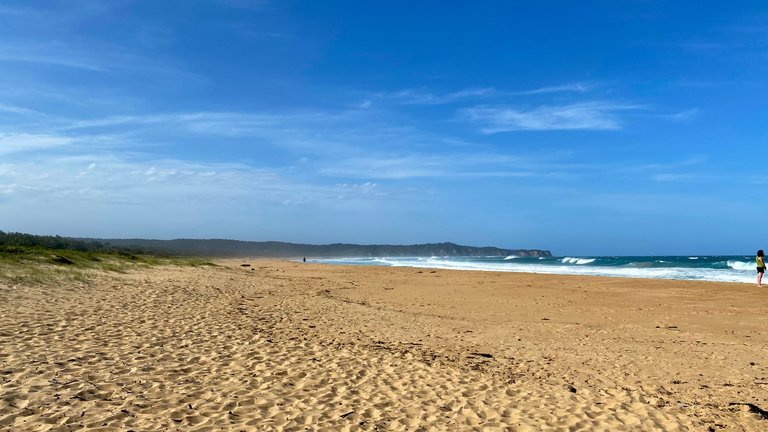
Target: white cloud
x=674 y=177
x=7 y=189
x=693 y=177
x=587 y=116
x=424 y=97
x=215 y=123
x=244 y=4
x=12 y=143
x=412 y=166
x=51 y=58
x=657 y=167
x=17 y=109
x=367 y=188
x=421 y=97
x=681 y=116
x=94 y=56
x=575 y=88
x=113 y=196
x=117 y=121
x=309 y=132
x=391 y=168
x=109 y=180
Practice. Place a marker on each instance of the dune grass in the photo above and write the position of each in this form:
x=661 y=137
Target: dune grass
x=41 y=265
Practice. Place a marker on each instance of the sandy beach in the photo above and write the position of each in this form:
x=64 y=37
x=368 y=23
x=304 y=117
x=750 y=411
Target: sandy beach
x=287 y=346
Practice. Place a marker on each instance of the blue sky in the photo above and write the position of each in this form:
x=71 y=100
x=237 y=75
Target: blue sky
x=594 y=127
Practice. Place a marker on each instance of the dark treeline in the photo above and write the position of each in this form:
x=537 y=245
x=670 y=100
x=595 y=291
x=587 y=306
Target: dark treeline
x=237 y=248
x=10 y=240
x=50 y=242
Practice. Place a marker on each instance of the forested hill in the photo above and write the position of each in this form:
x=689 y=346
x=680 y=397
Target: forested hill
x=236 y=248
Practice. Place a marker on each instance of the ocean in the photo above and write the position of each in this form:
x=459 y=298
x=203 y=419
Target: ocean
x=702 y=268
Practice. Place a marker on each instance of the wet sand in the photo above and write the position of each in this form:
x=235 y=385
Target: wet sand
x=289 y=346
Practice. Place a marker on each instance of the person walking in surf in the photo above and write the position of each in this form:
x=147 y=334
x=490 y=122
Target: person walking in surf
x=760 y=267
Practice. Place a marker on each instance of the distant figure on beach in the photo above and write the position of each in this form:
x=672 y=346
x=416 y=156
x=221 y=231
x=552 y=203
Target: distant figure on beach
x=760 y=267
x=305 y=259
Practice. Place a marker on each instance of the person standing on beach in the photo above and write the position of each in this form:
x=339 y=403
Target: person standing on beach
x=760 y=267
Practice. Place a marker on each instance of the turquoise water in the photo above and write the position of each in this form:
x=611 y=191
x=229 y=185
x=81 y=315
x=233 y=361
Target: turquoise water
x=725 y=268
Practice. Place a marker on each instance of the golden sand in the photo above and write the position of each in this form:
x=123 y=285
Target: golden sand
x=294 y=347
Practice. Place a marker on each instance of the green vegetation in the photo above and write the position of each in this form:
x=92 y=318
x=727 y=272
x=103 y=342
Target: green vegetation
x=26 y=258
x=235 y=248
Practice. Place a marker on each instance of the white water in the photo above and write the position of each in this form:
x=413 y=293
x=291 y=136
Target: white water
x=580 y=261
x=738 y=271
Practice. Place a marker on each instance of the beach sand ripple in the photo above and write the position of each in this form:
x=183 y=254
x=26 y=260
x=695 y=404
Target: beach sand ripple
x=291 y=348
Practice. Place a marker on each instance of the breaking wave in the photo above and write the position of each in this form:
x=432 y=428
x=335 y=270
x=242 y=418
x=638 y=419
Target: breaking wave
x=579 y=261
x=707 y=268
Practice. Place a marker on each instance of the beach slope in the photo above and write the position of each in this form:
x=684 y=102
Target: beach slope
x=281 y=345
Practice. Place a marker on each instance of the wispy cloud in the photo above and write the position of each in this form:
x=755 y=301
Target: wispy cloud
x=306 y=130
x=700 y=47
x=586 y=116
x=681 y=116
x=742 y=41
x=325 y=145
x=120 y=196
x=422 y=97
x=147 y=188
x=554 y=166
x=677 y=177
x=244 y=4
x=567 y=88
x=684 y=171
x=61 y=34
x=17 y=109
x=216 y=122
x=93 y=57
x=51 y=57
x=444 y=165
x=669 y=166
x=382 y=167
x=122 y=177
x=333 y=146
x=425 y=97
x=688 y=170
x=13 y=143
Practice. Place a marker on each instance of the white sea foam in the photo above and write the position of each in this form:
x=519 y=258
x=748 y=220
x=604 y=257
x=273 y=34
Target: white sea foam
x=511 y=257
x=741 y=265
x=736 y=271
x=693 y=258
x=579 y=261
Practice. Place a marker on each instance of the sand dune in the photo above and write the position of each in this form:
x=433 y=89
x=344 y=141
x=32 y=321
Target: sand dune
x=294 y=347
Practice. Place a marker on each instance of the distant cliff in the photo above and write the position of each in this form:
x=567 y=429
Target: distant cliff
x=236 y=248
